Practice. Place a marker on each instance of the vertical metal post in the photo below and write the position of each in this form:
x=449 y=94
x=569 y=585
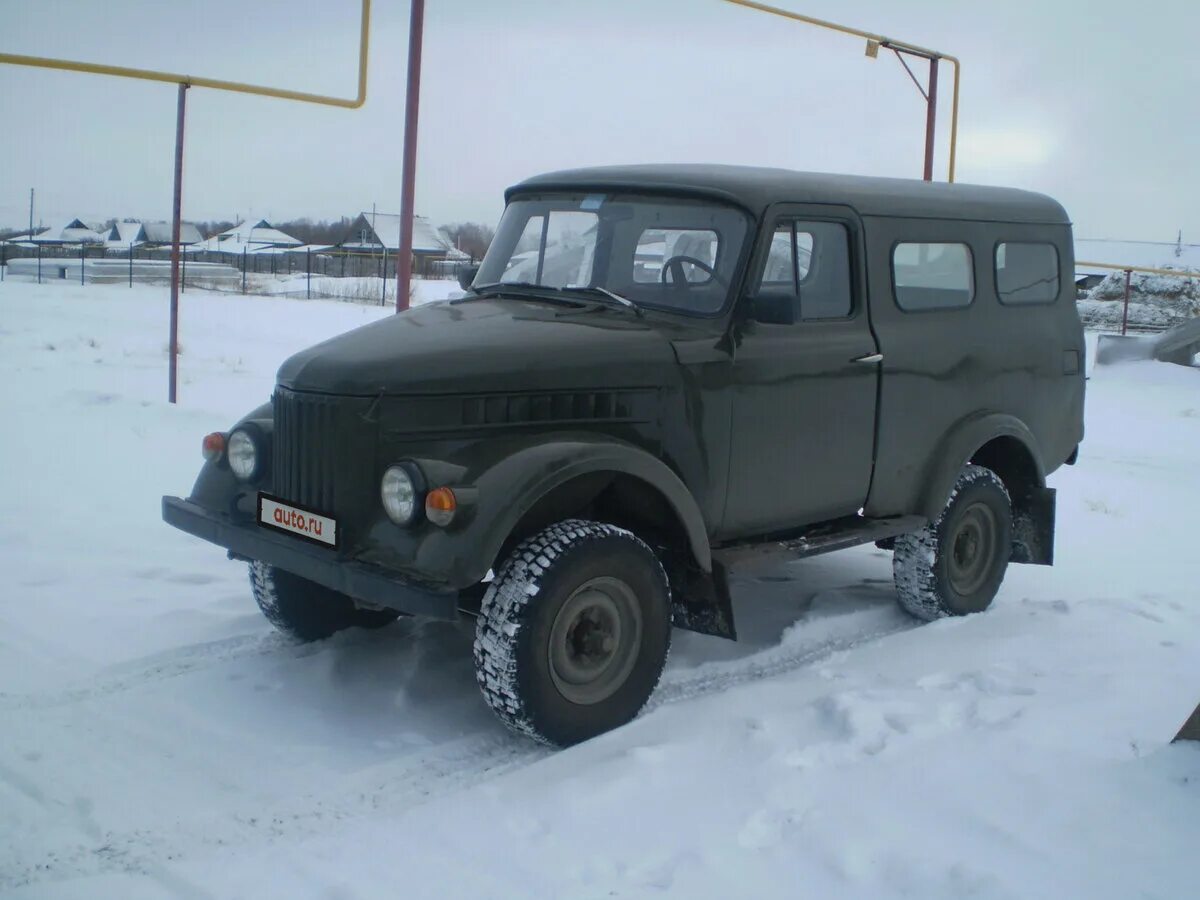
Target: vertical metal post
x=308 y=271
x=243 y=268
x=39 y=248
x=383 y=278
x=931 y=118
x=131 y=263
x=31 y=212
x=1125 y=313
x=81 y=261
x=411 y=102
x=176 y=212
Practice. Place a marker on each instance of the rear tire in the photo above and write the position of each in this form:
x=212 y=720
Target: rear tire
x=306 y=610
x=573 y=632
x=954 y=566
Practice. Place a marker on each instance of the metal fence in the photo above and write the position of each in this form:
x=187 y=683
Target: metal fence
x=305 y=273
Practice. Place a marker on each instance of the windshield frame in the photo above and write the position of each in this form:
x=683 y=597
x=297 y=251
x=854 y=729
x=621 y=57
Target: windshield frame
x=570 y=196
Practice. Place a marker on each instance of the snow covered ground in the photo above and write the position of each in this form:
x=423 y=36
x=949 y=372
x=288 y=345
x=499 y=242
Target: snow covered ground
x=160 y=740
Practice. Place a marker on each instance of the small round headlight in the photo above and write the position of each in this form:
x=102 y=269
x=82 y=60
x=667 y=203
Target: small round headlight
x=242 y=453
x=399 y=495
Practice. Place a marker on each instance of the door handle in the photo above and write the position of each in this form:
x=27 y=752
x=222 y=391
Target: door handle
x=869 y=358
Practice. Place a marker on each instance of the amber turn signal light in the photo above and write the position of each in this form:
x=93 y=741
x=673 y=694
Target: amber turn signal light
x=213 y=446
x=440 y=506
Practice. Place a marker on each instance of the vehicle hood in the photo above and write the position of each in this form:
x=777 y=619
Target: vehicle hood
x=485 y=345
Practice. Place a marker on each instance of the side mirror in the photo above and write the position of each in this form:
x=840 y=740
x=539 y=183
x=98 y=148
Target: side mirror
x=772 y=308
x=466 y=276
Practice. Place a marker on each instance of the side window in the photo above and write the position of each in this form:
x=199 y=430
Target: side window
x=1026 y=273
x=932 y=276
x=810 y=262
x=657 y=246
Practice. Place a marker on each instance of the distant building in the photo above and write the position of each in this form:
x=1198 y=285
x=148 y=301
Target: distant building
x=158 y=234
x=148 y=234
x=123 y=235
x=376 y=232
x=73 y=232
x=247 y=237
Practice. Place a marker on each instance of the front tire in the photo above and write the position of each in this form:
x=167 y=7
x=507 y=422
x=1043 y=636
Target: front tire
x=954 y=566
x=573 y=632
x=306 y=610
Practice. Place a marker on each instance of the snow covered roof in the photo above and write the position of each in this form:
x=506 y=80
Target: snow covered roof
x=73 y=232
x=250 y=236
x=122 y=234
x=370 y=230
x=160 y=233
x=1146 y=254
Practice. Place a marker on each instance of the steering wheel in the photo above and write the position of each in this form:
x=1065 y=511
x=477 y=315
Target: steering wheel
x=674 y=265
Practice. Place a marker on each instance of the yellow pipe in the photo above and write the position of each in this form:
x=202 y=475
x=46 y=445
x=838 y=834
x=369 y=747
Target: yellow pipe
x=217 y=84
x=1174 y=273
x=879 y=39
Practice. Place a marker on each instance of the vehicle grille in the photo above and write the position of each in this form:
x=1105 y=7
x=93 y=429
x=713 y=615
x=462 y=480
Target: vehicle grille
x=303 y=459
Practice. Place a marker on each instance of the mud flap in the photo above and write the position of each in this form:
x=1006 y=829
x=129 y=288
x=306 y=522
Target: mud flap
x=1033 y=527
x=1191 y=728
x=704 y=604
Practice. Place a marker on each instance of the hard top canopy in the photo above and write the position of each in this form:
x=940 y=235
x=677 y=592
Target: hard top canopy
x=756 y=188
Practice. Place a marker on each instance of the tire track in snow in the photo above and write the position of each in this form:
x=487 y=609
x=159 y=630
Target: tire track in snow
x=170 y=664
x=391 y=788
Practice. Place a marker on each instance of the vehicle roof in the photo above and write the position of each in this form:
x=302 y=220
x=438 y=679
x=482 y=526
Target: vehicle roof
x=756 y=188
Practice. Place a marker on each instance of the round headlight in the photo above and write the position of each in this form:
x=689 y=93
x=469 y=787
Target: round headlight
x=399 y=495
x=242 y=453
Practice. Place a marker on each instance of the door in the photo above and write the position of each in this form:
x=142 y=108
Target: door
x=805 y=377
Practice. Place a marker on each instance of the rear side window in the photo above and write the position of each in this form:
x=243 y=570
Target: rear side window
x=809 y=262
x=932 y=276
x=1026 y=273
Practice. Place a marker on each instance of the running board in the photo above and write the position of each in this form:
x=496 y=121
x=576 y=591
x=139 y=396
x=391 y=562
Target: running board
x=826 y=537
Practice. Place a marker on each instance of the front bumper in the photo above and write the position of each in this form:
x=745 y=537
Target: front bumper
x=370 y=584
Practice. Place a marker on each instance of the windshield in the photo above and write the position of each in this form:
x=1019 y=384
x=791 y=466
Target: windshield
x=656 y=251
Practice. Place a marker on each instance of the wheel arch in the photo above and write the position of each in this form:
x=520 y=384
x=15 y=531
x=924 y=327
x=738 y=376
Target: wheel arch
x=997 y=441
x=1005 y=445
x=559 y=480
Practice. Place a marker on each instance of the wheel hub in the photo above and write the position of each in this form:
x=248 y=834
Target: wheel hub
x=594 y=640
x=972 y=549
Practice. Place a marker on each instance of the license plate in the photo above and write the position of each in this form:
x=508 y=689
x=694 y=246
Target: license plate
x=293 y=519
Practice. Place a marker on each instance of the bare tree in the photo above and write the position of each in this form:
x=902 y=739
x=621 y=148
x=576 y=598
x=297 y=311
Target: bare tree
x=472 y=238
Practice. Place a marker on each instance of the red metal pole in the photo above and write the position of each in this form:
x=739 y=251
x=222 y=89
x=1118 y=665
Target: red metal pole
x=931 y=118
x=1125 y=314
x=416 y=25
x=176 y=212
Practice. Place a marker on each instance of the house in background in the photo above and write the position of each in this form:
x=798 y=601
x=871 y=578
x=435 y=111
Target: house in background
x=247 y=237
x=73 y=232
x=158 y=234
x=122 y=236
x=373 y=233
x=147 y=235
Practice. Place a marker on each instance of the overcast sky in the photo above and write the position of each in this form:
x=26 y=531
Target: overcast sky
x=1092 y=102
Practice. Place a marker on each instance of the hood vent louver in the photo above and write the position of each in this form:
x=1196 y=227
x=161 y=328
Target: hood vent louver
x=560 y=406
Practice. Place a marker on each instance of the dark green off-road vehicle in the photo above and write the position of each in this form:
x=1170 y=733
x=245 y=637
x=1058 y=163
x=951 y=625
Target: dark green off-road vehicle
x=656 y=371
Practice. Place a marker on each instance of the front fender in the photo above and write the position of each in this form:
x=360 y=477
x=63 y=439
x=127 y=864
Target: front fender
x=509 y=480
x=215 y=486
x=959 y=445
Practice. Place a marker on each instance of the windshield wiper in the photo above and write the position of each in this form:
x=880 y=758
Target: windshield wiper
x=612 y=295
x=553 y=294
x=522 y=289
